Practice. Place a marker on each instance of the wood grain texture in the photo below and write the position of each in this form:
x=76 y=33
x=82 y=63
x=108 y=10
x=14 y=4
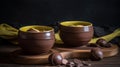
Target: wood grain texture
x=82 y=52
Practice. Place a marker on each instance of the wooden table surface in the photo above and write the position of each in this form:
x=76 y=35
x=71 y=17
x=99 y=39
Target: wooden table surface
x=5 y=49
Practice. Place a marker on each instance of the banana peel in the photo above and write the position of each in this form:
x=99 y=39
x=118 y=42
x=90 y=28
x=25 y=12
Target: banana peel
x=10 y=33
x=108 y=37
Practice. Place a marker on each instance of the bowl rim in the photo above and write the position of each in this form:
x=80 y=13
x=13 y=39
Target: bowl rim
x=25 y=28
x=64 y=23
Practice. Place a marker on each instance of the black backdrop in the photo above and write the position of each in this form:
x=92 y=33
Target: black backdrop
x=27 y=12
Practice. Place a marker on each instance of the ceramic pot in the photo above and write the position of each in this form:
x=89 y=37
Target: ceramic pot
x=37 y=42
x=76 y=33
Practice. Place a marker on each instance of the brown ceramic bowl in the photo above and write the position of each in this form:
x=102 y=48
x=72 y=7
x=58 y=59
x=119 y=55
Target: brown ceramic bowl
x=36 y=42
x=76 y=33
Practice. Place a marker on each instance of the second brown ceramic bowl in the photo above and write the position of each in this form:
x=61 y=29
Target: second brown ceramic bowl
x=76 y=33
x=37 y=42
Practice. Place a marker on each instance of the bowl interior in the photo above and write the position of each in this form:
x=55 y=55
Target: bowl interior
x=76 y=23
x=38 y=27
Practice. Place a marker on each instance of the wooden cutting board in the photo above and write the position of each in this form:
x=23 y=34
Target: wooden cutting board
x=82 y=52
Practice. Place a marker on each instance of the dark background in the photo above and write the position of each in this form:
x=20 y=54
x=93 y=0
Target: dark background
x=45 y=12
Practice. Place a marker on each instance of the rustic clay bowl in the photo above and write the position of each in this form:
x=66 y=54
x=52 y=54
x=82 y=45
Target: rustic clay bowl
x=38 y=42
x=76 y=33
